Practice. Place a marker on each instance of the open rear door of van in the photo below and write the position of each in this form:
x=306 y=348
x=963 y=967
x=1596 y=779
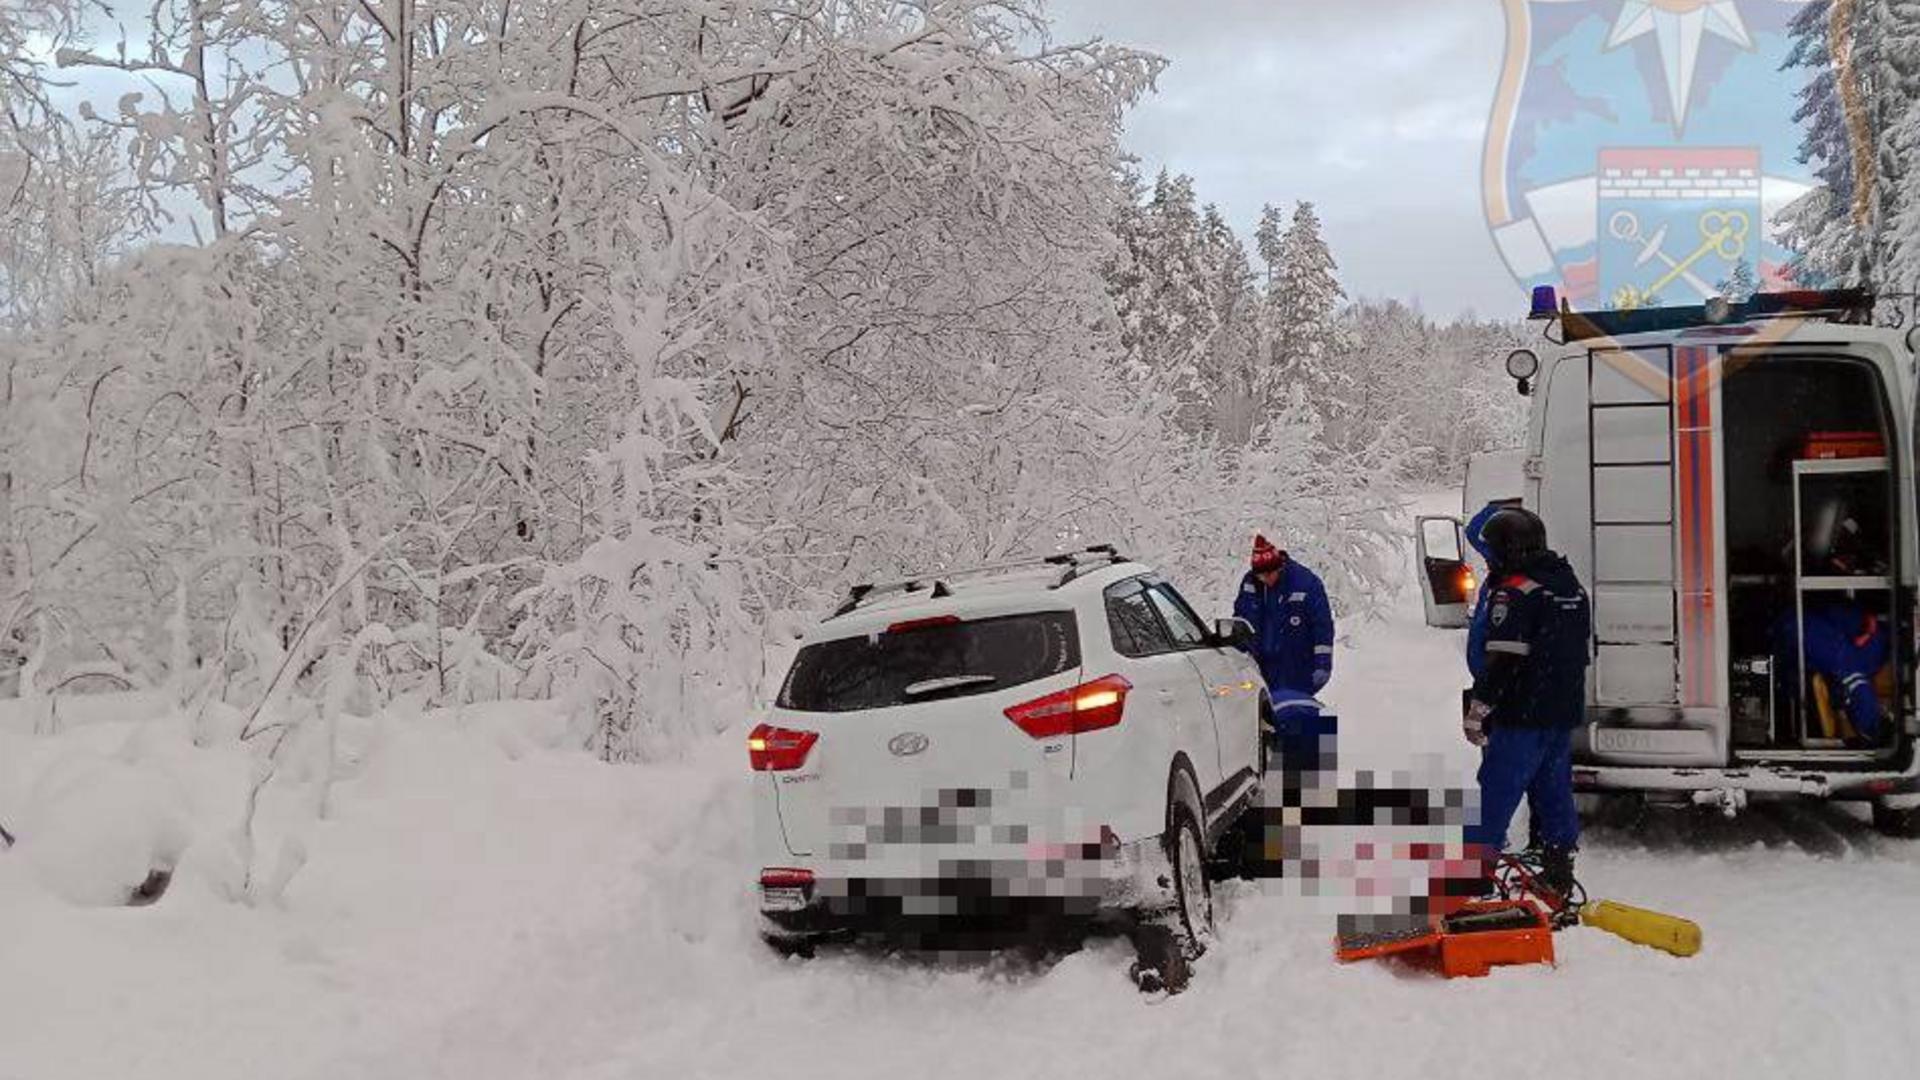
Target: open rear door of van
x=1446 y=581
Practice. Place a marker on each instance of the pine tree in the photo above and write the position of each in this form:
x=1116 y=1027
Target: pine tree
x=1228 y=365
x=1739 y=285
x=1301 y=308
x=1863 y=139
x=1890 y=46
x=1888 y=56
x=1268 y=239
x=1819 y=226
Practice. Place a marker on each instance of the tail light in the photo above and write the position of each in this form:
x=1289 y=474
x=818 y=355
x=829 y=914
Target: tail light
x=778 y=877
x=783 y=889
x=775 y=749
x=1468 y=582
x=1087 y=707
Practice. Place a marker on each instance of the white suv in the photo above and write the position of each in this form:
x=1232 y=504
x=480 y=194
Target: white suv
x=968 y=755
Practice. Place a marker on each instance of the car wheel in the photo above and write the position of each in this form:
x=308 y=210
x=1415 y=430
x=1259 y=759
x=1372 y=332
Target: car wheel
x=1901 y=823
x=1193 y=895
x=791 y=946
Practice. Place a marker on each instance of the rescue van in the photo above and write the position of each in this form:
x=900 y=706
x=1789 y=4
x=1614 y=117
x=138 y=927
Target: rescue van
x=1734 y=484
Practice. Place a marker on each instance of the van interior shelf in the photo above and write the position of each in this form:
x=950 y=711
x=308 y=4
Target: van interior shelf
x=1845 y=584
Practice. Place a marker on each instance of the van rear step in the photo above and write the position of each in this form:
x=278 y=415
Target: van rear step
x=1753 y=780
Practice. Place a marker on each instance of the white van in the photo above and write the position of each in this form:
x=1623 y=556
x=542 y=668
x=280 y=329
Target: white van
x=1694 y=464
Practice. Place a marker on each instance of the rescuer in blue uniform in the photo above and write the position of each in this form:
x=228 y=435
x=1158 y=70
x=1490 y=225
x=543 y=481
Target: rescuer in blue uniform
x=1293 y=640
x=1292 y=622
x=1529 y=695
x=1477 y=624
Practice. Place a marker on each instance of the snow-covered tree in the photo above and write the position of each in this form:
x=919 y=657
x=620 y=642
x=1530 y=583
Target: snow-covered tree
x=1269 y=238
x=1858 y=109
x=1301 y=308
x=449 y=351
x=1739 y=284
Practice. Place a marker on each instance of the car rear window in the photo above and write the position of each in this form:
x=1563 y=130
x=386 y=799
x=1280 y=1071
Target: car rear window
x=936 y=662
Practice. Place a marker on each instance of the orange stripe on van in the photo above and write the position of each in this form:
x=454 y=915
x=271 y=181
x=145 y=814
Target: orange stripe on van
x=1684 y=516
x=1693 y=398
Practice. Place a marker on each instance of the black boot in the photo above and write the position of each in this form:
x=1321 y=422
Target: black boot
x=1556 y=872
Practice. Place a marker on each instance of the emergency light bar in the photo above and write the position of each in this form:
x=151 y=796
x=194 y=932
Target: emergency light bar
x=1839 y=305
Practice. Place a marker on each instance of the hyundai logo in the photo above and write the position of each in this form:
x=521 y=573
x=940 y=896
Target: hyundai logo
x=907 y=744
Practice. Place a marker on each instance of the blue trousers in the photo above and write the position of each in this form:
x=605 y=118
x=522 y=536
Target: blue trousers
x=1531 y=764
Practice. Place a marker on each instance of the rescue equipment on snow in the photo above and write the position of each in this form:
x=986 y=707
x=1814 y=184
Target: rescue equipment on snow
x=1520 y=875
x=1668 y=933
x=1480 y=936
x=1514 y=927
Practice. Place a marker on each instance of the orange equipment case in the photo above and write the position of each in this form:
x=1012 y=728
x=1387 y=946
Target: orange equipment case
x=1830 y=445
x=1480 y=936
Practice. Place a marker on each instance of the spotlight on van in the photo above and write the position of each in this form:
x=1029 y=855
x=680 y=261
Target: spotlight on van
x=1522 y=366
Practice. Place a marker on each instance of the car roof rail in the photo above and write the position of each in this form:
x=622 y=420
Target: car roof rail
x=1075 y=563
x=1080 y=562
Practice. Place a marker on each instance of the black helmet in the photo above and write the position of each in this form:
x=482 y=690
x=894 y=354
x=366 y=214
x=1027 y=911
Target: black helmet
x=1514 y=535
x=1835 y=541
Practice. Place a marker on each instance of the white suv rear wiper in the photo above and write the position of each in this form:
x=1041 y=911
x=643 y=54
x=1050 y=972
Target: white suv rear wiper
x=951 y=682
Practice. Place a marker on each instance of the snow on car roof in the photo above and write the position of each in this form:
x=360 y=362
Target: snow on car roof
x=1016 y=590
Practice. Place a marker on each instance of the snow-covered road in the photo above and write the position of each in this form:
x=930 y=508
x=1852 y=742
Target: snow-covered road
x=480 y=909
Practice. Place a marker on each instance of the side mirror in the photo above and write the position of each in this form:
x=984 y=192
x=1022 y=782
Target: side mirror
x=1235 y=632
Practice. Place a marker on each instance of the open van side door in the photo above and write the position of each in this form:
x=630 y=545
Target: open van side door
x=1446 y=581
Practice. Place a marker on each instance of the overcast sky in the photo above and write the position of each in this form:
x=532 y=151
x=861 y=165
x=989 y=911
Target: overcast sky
x=1373 y=109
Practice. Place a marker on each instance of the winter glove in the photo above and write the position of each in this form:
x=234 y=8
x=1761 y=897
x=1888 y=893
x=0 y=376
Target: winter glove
x=1320 y=678
x=1474 y=724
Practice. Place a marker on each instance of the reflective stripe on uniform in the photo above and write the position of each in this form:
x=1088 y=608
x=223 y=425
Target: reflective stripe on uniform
x=1323 y=650
x=1515 y=648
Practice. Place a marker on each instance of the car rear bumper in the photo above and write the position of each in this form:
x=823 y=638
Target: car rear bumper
x=981 y=899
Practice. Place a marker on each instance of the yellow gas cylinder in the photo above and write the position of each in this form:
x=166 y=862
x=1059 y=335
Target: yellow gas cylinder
x=1668 y=933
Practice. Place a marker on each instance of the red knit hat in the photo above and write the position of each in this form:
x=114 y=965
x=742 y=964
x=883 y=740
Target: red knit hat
x=1265 y=556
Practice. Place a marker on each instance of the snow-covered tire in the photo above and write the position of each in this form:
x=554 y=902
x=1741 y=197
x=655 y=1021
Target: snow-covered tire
x=1192 y=892
x=1901 y=823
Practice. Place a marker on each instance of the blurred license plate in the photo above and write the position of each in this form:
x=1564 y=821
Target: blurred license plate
x=783 y=898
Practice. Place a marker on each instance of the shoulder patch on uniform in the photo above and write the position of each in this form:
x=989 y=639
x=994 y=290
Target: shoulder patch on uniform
x=1297 y=597
x=1247 y=588
x=1498 y=614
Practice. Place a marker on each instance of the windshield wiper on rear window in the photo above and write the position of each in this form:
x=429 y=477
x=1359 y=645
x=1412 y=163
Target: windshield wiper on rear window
x=950 y=682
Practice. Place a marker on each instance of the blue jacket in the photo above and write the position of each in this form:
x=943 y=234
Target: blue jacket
x=1849 y=647
x=1540 y=619
x=1292 y=628
x=1477 y=625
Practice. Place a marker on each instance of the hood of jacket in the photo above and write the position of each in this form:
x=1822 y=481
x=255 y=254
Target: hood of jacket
x=1552 y=570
